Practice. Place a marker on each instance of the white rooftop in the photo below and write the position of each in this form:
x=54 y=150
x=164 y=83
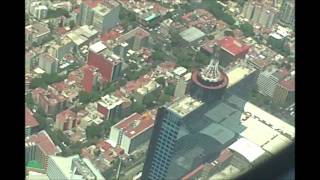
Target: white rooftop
x=237 y=74
x=185 y=105
x=247 y=149
x=192 y=34
x=97 y=47
x=110 y=101
x=180 y=70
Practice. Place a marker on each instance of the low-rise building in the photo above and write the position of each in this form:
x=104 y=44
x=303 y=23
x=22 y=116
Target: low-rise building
x=192 y=35
x=131 y=132
x=61 y=48
x=149 y=88
x=36 y=33
x=48 y=63
x=285 y=91
x=82 y=35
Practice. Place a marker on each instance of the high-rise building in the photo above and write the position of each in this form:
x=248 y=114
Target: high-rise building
x=106 y=15
x=66 y=120
x=48 y=63
x=132 y=132
x=267 y=17
x=210 y=83
x=267 y=80
x=30 y=122
x=182 y=86
x=110 y=107
x=257 y=12
x=287 y=12
x=86 y=11
x=136 y=38
x=39 y=147
x=164 y=137
x=91 y=76
x=108 y=64
x=248 y=9
x=72 y=167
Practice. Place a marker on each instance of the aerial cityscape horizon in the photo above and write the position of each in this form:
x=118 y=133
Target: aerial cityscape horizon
x=157 y=89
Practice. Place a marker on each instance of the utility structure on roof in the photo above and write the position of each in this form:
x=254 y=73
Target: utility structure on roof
x=209 y=83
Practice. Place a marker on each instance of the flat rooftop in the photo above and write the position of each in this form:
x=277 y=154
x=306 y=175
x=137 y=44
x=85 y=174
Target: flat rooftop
x=237 y=74
x=191 y=34
x=38 y=29
x=97 y=47
x=82 y=34
x=110 y=101
x=135 y=124
x=185 y=105
x=232 y=46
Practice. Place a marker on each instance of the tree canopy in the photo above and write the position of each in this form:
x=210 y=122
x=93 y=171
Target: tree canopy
x=247 y=29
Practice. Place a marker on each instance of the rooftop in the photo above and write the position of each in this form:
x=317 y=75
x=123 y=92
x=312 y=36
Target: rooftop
x=110 y=101
x=66 y=115
x=288 y=84
x=137 y=32
x=97 y=47
x=149 y=87
x=247 y=149
x=191 y=34
x=237 y=74
x=37 y=29
x=232 y=46
x=185 y=105
x=30 y=121
x=135 y=124
x=81 y=35
x=43 y=140
x=91 y=3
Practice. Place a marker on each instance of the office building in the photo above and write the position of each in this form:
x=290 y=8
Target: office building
x=39 y=147
x=30 y=59
x=36 y=33
x=108 y=64
x=82 y=35
x=30 y=122
x=72 y=167
x=86 y=11
x=132 y=132
x=48 y=63
x=248 y=9
x=192 y=35
x=267 y=17
x=136 y=38
x=287 y=12
x=183 y=85
x=257 y=12
x=267 y=80
x=66 y=120
x=106 y=16
x=110 y=107
x=91 y=76
x=61 y=48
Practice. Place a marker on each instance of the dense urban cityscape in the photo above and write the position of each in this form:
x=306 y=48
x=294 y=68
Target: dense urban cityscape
x=157 y=89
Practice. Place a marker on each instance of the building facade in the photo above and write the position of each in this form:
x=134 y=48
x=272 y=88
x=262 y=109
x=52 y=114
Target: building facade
x=48 y=63
x=287 y=12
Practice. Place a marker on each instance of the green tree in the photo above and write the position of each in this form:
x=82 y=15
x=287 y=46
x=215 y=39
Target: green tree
x=161 y=81
x=202 y=58
x=122 y=82
x=158 y=55
x=37 y=82
x=169 y=90
x=137 y=107
x=228 y=19
x=228 y=33
x=149 y=99
x=247 y=29
x=94 y=131
x=84 y=97
x=163 y=99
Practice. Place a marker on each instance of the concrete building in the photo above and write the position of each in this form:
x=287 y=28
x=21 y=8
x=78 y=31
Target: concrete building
x=182 y=86
x=248 y=9
x=149 y=88
x=110 y=107
x=257 y=12
x=131 y=132
x=91 y=76
x=30 y=122
x=61 y=48
x=192 y=35
x=48 y=63
x=267 y=17
x=30 y=59
x=50 y=102
x=267 y=80
x=66 y=120
x=285 y=92
x=136 y=38
x=72 y=167
x=36 y=33
x=86 y=11
x=82 y=35
x=38 y=10
x=287 y=12
x=106 y=15
x=39 y=147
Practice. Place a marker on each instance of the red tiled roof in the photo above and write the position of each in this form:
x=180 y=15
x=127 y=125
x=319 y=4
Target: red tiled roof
x=232 y=46
x=92 y=3
x=66 y=115
x=288 y=84
x=61 y=30
x=224 y=155
x=43 y=140
x=60 y=86
x=109 y=36
x=77 y=10
x=135 y=124
x=104 y=145
x=30 y=121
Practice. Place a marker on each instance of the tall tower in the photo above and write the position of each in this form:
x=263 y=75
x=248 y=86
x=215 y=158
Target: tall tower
x=209 y=83
x=287 y=12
